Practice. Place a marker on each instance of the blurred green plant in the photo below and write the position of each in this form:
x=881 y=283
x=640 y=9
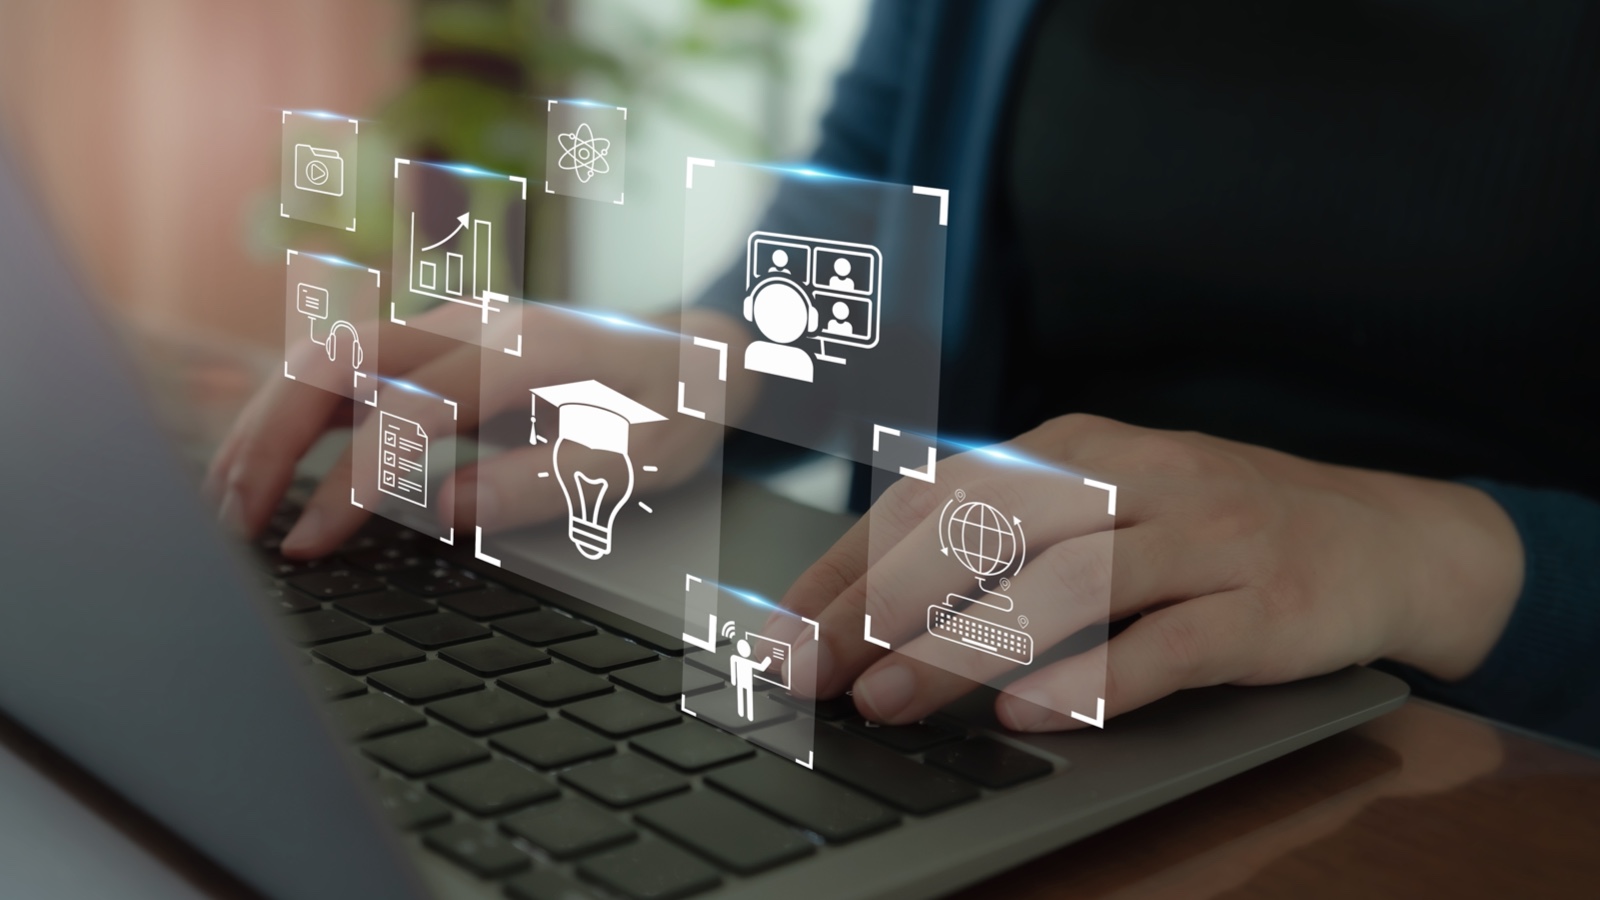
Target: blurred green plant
x=485 y=67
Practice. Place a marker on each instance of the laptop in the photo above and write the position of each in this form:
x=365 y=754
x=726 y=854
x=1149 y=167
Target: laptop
x=398 y=722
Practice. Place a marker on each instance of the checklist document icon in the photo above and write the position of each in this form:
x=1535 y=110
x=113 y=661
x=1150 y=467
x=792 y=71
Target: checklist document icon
x=403 y=459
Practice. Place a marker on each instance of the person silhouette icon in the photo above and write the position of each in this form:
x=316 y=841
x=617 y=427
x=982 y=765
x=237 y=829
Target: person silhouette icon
x=742 y=670
x=780 y=262
x=840 y=323
x=841 y=275
x=783 y=315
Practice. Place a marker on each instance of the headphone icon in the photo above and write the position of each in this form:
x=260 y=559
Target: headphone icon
x=779 y=281
x=356 y=356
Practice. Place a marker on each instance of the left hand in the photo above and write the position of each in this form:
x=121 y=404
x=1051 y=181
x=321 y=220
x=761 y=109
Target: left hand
x=1245 y=566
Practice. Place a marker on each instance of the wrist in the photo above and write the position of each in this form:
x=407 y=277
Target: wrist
x=1463 y=575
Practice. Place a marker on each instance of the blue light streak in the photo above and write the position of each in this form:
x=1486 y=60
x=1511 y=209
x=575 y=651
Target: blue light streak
x=335 y=261
x=409 y=387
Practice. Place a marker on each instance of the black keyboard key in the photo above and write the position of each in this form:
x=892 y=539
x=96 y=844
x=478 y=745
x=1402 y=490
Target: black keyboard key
x=625 y=780
x=884 y=774
x=280 y=566
x=361 y=655
x=803 y=798
x=720 y=707
x=435 y=581
x=322 y=626
x=602 y=653
x=290 y=601
x=650 y=870
x=556 y=683
x=498 y=786
x=544 y=627
x=990 y=763
x=494 y=656
x=425 y=681
x=488 y=604
x=385 y=560
x=547 y=884
x=621 y=714
x=568 y=827
x=409 y=807
x=692 y=747
x=484 y=712
x=335 y=584
x=552 y=744
x=476 y=849
x=666 y=679
x=438 y=630
x=385 y=606
x=371 y=715
x=728 y=832
x=424 y=752
x=914 y=738
x=332 y=684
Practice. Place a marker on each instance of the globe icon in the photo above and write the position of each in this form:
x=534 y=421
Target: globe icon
x=981 y=539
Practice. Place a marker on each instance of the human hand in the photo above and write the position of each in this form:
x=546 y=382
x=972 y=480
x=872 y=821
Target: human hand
x=1245 y=566
x=256 y=462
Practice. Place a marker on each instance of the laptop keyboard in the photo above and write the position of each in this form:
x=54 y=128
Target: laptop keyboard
x=546 y=753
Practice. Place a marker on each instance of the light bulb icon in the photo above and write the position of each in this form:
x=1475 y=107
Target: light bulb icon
x=591 y=458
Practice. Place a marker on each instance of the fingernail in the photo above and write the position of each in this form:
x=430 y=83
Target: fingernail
x=231 y=512
x=886 y=692
x=1027 y=711
x=305 y=533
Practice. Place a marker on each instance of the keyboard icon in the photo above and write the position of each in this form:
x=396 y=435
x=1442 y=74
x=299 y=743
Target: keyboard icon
x=971 y=631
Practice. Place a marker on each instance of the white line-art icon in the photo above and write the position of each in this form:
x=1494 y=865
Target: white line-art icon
x=742 y=669
x=312 y=301
x=458 y=267
x=583 y=154
x=402 y=459
x=797 y=286
x=989 y=545
x=319 y=170
x=591 y=457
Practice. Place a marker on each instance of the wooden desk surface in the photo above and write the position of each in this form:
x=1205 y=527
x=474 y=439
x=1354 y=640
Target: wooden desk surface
x=1424 y=802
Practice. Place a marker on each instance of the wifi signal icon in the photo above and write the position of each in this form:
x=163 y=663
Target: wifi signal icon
x=727 y=631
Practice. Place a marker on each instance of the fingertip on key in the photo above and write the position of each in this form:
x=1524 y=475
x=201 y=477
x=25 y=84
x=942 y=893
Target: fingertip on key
x=883 y=694
x=305 y=536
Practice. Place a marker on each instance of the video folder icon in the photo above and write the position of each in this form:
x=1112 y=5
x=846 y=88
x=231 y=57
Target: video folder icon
x=318 y=170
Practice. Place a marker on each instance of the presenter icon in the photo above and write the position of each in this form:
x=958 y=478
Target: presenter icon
x=742 y=669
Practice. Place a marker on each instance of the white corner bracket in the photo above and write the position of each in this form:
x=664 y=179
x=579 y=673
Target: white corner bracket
x=811 y=757
x=683 y=705
x=1111 y=491
x=1099 y=720
x=688 y=181
x=477 y=547
x=866 y=632
x=684 y=409
x=933 y=460
x=944 y=200
x=451 y=538
x=722 y=355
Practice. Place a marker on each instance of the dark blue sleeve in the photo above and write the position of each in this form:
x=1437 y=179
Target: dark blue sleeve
x=1544 y=672
x=859 y=129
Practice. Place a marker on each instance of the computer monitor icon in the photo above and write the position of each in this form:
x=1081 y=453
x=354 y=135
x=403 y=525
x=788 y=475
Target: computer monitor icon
x=828 y=291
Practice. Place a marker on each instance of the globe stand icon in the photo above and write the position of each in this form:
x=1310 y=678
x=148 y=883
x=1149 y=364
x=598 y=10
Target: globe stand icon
x=987 y=544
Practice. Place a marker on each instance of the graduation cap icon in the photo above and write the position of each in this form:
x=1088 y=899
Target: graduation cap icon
x=596 y=475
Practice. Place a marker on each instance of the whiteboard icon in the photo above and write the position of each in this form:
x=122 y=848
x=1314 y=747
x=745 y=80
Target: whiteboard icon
x=403 y=459
x=311 y=300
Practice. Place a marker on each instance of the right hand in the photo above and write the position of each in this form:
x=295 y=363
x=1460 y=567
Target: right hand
x=255 y=463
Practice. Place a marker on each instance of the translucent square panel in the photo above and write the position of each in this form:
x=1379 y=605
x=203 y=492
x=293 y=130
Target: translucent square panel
x=330 y=324
x=317 y=179
x=994 y=566
x=839 y=294
x=745 y=671
x=588 y=479
x=402 y=451
x=586 y=151
x=460 y=240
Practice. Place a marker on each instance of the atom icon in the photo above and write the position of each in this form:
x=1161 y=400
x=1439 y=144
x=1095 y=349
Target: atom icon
x=583 y=154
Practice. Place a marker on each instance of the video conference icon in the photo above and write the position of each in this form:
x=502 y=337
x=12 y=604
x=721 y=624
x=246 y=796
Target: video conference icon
x=799 y=287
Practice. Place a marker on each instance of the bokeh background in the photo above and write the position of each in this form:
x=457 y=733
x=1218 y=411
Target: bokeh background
x=151 y=131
